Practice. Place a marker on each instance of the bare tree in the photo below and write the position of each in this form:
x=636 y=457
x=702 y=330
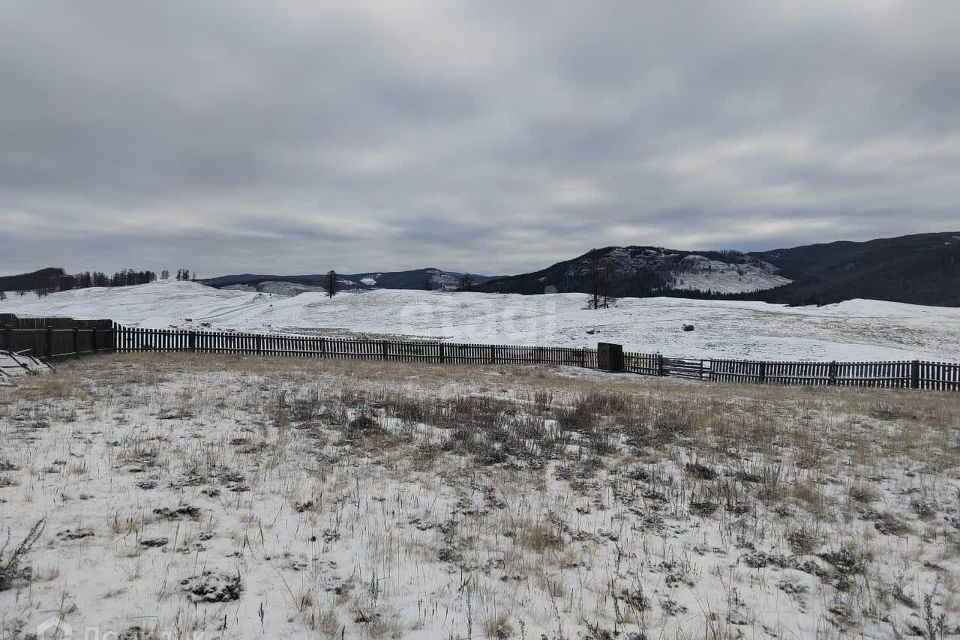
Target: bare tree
x=601 y=282
x=465 y=283
x=608 y=288
x=332 y=287
x=593 y=278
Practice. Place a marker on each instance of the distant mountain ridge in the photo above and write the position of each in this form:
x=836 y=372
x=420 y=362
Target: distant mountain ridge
x=917 y=269
x=430 y=277
x=645 y=271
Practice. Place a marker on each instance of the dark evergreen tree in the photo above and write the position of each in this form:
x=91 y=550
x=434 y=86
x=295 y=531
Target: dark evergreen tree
x=332 y=285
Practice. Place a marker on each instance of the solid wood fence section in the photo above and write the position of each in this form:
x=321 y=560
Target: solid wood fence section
x=54 y=337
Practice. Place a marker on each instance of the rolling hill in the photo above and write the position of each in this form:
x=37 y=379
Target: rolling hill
x=645 y=271
x=429 y=278
x=852 y=330
x=918 y=269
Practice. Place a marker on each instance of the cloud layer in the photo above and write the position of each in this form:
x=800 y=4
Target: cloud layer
x=298 y=135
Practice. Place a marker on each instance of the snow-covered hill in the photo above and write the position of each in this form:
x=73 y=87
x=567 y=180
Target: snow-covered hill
x=689 y=271
x=427 y=279
x=852 y=330
x=643 y=271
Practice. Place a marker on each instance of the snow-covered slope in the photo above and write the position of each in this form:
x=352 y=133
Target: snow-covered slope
x=696 y=272
x=279 y=288
x=691 y=271
x=852 y=330
x=429 y=278
x=643 y=271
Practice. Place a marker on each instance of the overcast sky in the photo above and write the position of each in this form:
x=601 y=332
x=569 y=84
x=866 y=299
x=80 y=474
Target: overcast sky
x=295 y=136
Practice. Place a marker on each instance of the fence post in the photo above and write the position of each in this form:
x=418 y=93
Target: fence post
x=259 y=341
x=833 y=373
x=443 y=357
x=76 y=341
x=383 y=350
x=493 y=359
x=763 y=372
x=915 y=374
x=49 y=342
x=8 y=343
x=660 y=370
x=93 y=340
x=192 y=340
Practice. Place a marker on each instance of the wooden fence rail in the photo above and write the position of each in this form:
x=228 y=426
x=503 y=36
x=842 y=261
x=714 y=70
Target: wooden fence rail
x=63 y=337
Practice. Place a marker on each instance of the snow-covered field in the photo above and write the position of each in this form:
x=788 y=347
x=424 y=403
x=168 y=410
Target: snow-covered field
x=277 y=498
x=852 y=330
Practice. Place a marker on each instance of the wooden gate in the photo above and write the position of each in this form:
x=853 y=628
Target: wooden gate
x=685 y=368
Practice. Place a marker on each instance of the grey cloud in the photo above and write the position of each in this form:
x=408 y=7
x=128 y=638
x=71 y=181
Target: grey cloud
x=297 y=135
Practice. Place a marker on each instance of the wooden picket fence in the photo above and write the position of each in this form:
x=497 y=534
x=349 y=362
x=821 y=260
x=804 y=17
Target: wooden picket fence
x=903 y=374
x=909 y=374
x=51 y=338
x=225 y=342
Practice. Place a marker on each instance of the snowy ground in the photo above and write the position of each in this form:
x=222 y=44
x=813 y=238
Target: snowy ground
x=246 y=498
x=853 y=330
